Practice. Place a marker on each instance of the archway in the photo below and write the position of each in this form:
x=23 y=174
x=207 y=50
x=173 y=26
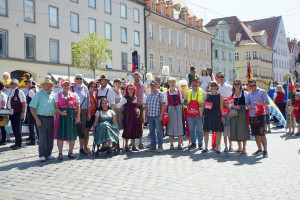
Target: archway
x=17 y=74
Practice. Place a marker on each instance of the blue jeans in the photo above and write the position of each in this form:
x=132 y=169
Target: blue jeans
x=196 y=127
x=155 y=125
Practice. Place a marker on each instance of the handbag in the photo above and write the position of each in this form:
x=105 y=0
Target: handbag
x=233 y=112
x=166 y=118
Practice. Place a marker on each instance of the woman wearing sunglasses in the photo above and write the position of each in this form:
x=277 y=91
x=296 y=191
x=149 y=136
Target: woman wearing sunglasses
x=213 y=119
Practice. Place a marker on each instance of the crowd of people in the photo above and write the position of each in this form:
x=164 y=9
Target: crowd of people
x=196 y=107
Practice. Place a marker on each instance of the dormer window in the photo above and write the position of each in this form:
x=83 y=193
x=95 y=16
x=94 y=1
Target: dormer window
x=187 y=20
x=153 y=6
x=162 y=10
x=171 y=14
x=194 y=23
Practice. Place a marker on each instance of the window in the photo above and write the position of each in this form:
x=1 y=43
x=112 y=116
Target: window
x=162 y=10
x=76 y=1
x=151 y=31
x=186 y=66
x=254 y=54
x=230 y=56
x=171 y=63
x=186 y=41
x=216 y=54
x=151 y=61
x=178 y=39
x=92 y=3
x=30 y=47
x=193 y=44
x=74 y=22
x=137 y=38
x=153 y=6
x=136 y=15
x=29 y=11
x=123 y=35
x=54 y=51
x=92 y=25
x=161 y=62
x=248 y=56
x=108 y=31
x=207 y=47
x=53 y=16
x=161 y=34
x=124 y=61
x=3 y=43
x=109 y=60
x=170 y=37
x=236 y=57
x=179 y=64
x=200 y=45
x=171 y=14
x=194 y=64
x=3 y=7
x=123 y=11
x=107 y=6
x=223 y=55
x=254 y=72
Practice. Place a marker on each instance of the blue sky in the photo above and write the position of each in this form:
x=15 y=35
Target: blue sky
x=250 y=10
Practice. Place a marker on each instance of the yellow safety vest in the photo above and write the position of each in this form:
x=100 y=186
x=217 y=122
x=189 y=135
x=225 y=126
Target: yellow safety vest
x=190 y=94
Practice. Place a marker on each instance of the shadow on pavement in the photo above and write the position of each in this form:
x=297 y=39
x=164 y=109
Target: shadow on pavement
x=289 y=137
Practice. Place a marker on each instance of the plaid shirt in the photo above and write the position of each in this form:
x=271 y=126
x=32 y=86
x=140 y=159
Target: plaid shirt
x=153 y=103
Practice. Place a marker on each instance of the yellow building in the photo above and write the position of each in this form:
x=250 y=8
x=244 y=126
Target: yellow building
x=176 y=38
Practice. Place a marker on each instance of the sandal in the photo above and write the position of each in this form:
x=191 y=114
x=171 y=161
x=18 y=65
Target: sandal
x=134 y=149
x=237 y=151
x=60 y=157
x=127 y=149
x=72 y=156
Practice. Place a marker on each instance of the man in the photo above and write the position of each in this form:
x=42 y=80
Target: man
x=141 y=90
x=257 y=122
x=30 y=86
x=192 y=76
x=154 y=115
x=17 y=101
x=85 y=114
x=275 y=84
x=224 y=88
x=43 y=110
x=194 y=99
x=158 y=81
x=104 y=91
x=25 y=77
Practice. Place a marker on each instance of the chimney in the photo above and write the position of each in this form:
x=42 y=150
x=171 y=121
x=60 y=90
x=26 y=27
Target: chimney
x=199 y=23
x=238 y=37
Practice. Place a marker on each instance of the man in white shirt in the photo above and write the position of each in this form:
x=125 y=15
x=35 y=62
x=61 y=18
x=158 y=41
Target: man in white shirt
x=224 y=88
x=16 y=101
x=104 y=91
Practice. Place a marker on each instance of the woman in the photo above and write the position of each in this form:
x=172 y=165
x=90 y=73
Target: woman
x=118 y=96
x=210 y=74
x=213 y=119
x=204 y=79
x=279 y=101
x=3 y=100
x=107 y=128
x=67 y=116
x=184 y=89
x=130 y=116
x=6 y=78
x=175 y=127
x=92 y=87
x=239 y=129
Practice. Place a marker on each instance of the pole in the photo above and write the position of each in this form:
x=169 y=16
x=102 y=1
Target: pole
x=69 y=72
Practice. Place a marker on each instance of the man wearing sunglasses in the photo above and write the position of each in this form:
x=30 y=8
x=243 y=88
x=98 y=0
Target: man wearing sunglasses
x=257 y=122
x=224 y=88
x=85 y=114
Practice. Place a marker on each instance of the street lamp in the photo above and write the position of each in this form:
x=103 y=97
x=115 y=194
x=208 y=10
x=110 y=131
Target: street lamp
x=143 y=71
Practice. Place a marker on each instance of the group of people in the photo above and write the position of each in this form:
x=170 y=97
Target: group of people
x=194 y=107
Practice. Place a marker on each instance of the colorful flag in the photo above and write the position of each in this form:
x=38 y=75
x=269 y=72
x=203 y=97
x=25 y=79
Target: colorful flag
x=274 y=110
x=135 y=61
x=249 y=74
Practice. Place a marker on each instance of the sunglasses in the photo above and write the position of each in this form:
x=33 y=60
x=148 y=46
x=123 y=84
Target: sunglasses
x=130 y=89
x=214 y=85
x=252 y=86
x=221 y=76
x=79 y=79
x=93 y=86
x=237 y=84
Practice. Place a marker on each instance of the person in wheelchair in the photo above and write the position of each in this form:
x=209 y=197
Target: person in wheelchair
x=105 y=128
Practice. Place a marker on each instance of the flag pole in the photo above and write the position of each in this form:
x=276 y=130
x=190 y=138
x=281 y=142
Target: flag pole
x=290 y=75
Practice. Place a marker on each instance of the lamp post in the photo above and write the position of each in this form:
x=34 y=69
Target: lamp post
x=143 y=71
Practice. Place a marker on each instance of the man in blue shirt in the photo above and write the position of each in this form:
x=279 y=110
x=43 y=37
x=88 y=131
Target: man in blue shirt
x=85 y=114
x=257 y=122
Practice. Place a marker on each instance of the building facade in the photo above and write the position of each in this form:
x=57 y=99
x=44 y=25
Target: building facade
x=294 y=51
x=37 y=36
x=176 y=38
x=222 y=50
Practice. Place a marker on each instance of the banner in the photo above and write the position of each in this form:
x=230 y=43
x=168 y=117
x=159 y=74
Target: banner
x=274 y=110
x=135 y=61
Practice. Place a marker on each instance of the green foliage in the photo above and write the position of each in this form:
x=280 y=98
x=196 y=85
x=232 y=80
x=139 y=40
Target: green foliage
x=91 y=53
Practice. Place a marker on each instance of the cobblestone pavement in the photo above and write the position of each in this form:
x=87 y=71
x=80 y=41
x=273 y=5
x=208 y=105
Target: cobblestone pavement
x=172 y=174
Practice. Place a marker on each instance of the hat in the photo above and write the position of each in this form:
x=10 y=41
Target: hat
x=172 y=79
x=47 y=81
x=195 y=80
x=103 y=77
x=14 y=81
x=153 y=83
x=66 y=81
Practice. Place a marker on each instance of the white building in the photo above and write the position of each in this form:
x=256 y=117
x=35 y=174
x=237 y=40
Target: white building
x=36 y=36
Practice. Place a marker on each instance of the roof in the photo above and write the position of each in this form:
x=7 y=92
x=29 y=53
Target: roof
x=268 y=24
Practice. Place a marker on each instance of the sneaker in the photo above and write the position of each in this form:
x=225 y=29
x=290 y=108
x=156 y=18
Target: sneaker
x=12 y=146
x=2 y=143
x=200 y=147
x=160 y=149
x=29 y=138
x=218 y=151
x=50 y=157
x=226 y=149
x=172 y=147
x=152 y=148
x=16 y=147
x=192 y=146
x=230 y=149
x=82 y=152
x=32 y=142
x=180 y=147
x=204 y=151
x=42 y=159
x=265 y=154
x=257 y=153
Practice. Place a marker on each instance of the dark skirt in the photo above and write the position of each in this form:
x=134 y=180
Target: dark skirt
x=132 y=128
x=239 y=129
x=257 y=125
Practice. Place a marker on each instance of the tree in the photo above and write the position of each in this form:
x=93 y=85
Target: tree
x=91 y=53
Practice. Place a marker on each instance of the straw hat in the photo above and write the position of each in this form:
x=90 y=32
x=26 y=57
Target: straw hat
x=47 y=81
x=103 y=77
x=172 y=79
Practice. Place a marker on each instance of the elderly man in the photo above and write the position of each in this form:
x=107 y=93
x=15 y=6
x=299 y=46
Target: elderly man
x=154 y=109
x=141 y=91
x=192 y=76
x=224 y=88
x=6 y=78
x=158 y=81
x=104 y=91
x=43 y=110
x=17 y=101
x=85 y=114
x=257 y=122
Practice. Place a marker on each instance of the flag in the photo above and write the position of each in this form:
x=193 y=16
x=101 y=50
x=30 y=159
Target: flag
x=249 y=74
x=274 y=110
x=289 y=89
x=135 y=62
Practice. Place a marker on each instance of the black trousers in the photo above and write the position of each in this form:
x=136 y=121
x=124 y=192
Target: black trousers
x=3 y=132
x=31 y=125
x=16 y=124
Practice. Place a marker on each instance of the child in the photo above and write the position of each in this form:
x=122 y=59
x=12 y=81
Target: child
x=297 y=111
x=267 y=122
x=204 y=79
x=290 y=119
x=226 y=132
